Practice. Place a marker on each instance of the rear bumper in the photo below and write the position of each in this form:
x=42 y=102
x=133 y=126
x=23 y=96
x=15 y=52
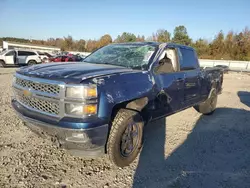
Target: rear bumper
x=79 y=142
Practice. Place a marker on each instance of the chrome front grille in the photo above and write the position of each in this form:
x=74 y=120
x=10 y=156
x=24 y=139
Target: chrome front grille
x=47 y=106
x=40 y=87
x=43 y=95
x=40 y=95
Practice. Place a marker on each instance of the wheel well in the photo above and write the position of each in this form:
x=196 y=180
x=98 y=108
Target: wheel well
x=2 y=61
x=116 y=108
x=31 y=60
x=136 y=105
x=113 y=113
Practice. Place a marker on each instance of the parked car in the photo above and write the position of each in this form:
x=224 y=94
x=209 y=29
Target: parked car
x=48 y=54
x=66 y=58
x=43 y=56
x=102 y=104
x=73 y=58
x=19 y=58
x=69 y=59
x=78 y=58
x=59 y=58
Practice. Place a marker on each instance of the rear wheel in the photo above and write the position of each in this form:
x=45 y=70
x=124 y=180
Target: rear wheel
x=31 y=62
x=208 y=107
x=125 y=138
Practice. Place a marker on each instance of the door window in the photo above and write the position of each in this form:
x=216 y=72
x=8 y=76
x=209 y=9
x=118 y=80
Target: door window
x=189 y=59
x=31 y=53
x=25 y=53
x=168 y=62
x=10 y=53
x=171 y=54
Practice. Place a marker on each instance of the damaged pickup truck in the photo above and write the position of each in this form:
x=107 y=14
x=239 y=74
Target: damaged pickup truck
x=100 y=105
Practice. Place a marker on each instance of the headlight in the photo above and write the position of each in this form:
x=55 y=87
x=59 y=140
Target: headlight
x=80 y=109
x=81 y=92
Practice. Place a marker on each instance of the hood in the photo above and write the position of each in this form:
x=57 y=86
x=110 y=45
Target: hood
x=71 y=72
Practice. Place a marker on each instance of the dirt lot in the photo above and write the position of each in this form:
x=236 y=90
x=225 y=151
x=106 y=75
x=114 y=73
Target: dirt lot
x=184 y=150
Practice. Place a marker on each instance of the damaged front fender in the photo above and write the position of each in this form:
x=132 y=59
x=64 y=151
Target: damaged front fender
x=134 y=90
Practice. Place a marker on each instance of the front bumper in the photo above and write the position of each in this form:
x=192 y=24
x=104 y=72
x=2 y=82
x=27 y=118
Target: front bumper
x=81 y=142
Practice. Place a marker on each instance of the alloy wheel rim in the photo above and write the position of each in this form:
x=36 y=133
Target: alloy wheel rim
x=130 y=139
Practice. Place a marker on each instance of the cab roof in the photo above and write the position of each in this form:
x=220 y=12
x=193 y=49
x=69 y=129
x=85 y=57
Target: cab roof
x=154 y=44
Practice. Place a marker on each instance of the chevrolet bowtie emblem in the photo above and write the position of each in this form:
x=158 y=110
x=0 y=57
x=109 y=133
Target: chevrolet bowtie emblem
x=27 y=93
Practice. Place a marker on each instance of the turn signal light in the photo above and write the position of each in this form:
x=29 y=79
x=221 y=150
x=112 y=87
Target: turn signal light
x=90 y=109
x=91 y=92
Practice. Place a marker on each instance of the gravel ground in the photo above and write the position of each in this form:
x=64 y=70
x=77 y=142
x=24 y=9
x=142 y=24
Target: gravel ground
x=183 y=150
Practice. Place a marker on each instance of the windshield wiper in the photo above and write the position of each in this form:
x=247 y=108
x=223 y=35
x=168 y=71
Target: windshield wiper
x=140 y=67
x=115 y=64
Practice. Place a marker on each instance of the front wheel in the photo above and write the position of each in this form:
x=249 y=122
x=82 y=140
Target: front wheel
x=2 y=64
x=208 y=106
x=125 y=138
x=32 y=62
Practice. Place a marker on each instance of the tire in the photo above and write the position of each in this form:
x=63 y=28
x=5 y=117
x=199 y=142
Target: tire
x=2 y=64
x=124 y=122
x=208 y=106
x=32 y=62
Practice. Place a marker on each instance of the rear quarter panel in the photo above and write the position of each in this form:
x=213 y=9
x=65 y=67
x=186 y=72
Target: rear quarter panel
x=213 y=77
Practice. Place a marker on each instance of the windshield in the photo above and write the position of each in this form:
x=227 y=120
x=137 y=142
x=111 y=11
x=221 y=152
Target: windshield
x=1 y=53
x=132 y=56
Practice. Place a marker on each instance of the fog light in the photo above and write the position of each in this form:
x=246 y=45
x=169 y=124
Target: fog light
x=78 y=137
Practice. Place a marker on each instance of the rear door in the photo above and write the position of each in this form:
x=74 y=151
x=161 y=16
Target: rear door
x=22 y=56
x=190 y=66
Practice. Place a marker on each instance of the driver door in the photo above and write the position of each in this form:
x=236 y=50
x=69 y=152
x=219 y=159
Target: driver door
x=9 y=57
x=169 y=81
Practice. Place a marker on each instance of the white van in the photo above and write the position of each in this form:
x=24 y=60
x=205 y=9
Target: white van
x=19 y=57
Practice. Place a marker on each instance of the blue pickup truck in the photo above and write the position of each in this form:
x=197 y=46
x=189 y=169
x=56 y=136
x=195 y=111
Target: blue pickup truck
x=100 y=105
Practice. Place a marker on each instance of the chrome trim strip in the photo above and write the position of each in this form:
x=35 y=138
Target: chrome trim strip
x=76 y=116
x=60 y=97
x=39 y=80
x=62 y=86
x=35 y=92
x=43 y=97
x=39 y=111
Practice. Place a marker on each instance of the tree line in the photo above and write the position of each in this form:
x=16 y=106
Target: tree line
x=229 y=46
